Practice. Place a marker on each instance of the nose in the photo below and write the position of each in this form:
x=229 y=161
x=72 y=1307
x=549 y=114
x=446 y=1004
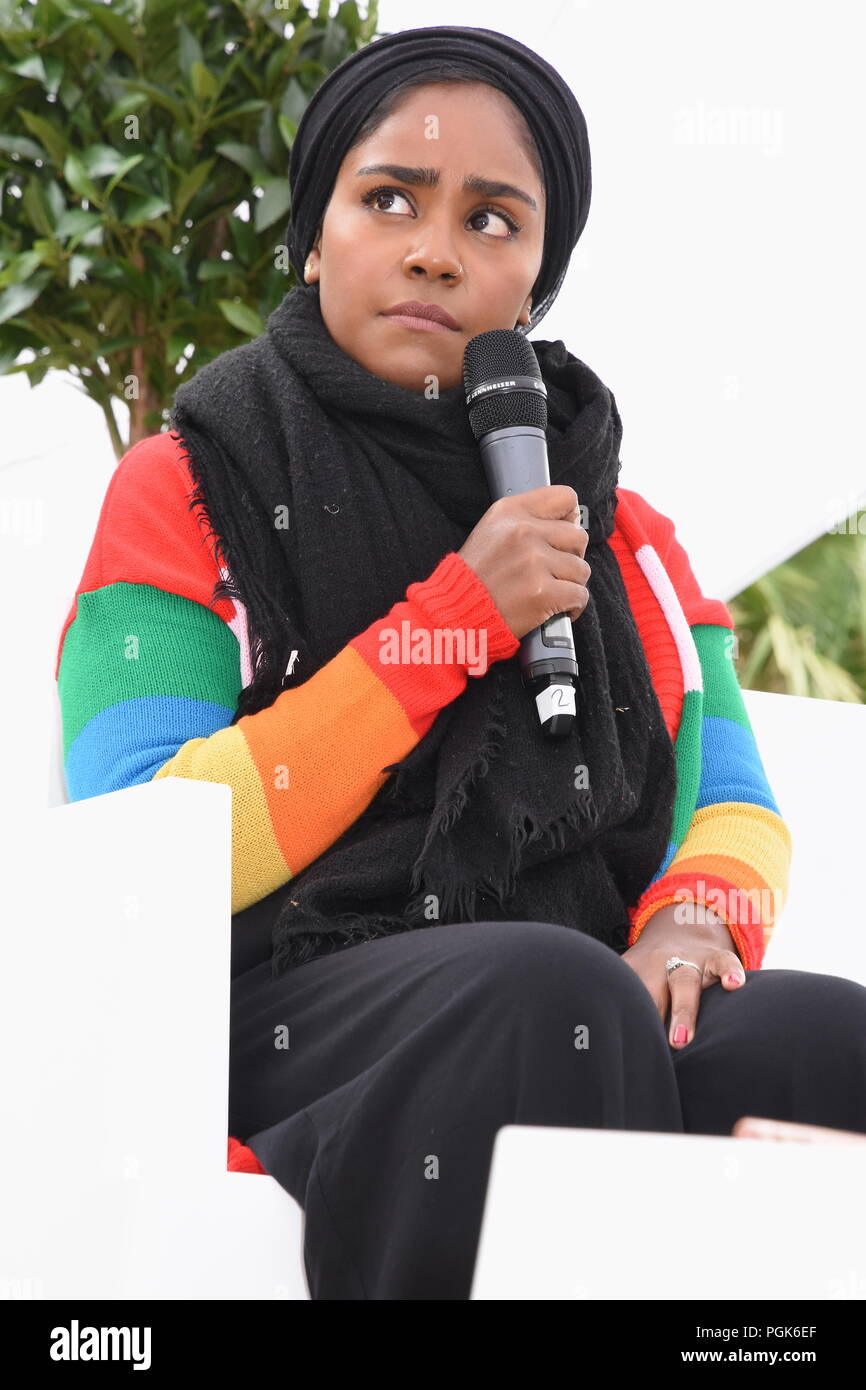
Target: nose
x=435 y=257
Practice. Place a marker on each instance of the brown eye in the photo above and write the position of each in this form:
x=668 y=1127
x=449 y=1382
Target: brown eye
x=509 y=222
x=375 y=194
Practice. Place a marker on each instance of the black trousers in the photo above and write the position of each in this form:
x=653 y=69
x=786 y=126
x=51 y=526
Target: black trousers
x=371 y=1082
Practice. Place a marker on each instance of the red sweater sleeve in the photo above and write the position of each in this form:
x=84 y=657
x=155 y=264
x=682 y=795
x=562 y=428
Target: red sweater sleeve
x=302 y=770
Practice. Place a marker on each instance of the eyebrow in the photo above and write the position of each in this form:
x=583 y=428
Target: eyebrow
x=475 y=183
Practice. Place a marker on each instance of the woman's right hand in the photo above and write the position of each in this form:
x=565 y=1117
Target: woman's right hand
x=528 y=550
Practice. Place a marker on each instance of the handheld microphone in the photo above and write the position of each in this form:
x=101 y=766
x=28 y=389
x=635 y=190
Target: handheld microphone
x=507 y=403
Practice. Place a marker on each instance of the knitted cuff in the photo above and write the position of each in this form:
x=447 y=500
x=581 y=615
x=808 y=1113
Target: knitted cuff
x=455 y=597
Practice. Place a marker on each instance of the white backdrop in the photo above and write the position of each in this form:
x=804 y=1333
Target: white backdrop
x=718 y=286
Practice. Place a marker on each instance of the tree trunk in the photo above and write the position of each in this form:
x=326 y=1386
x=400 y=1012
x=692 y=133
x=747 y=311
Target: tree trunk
x=146 y=398
x=113 y=432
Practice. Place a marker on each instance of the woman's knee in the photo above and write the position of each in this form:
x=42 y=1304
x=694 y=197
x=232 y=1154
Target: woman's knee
x=583 y=1038
x=811 y=1006
x=544 y=965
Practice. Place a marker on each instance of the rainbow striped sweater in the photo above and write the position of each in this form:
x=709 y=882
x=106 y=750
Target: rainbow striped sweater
x=149 y=669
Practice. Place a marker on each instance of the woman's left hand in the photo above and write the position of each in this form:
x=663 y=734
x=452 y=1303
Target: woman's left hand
x=708 y=943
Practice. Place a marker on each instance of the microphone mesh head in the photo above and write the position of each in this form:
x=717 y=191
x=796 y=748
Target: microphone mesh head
x=501 y=355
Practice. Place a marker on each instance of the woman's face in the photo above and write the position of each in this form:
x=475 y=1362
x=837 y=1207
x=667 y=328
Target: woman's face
x=430 y=242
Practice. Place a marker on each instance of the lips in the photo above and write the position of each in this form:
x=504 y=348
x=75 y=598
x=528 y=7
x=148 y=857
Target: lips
x=416 y=308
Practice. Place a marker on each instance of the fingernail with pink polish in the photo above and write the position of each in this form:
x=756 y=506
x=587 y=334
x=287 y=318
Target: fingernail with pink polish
x=681 y=1032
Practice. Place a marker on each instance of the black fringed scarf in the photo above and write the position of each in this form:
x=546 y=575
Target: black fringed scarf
x=485 y=818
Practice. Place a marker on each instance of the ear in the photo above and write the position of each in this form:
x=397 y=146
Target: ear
x=315 y=256
x=311 y=275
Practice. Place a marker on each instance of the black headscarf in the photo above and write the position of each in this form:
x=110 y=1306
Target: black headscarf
x=347 y=96
x=484 y=818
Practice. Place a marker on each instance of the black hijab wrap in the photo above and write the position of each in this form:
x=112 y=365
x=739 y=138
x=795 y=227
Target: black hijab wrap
x=485 y=819
x=349 y=93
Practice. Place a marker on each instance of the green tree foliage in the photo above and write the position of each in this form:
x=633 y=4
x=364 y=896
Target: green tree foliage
x=802 y=628
x=133 y=139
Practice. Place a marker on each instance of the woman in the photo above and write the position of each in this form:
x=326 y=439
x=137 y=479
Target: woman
x=442 y=922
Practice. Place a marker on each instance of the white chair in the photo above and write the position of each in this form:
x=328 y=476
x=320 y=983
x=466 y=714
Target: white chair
x=115 y=979
x=791 y=1223
x=116 y=1010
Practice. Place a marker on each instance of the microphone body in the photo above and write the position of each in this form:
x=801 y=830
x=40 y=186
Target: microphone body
x=507 y=403
x=515 y=460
